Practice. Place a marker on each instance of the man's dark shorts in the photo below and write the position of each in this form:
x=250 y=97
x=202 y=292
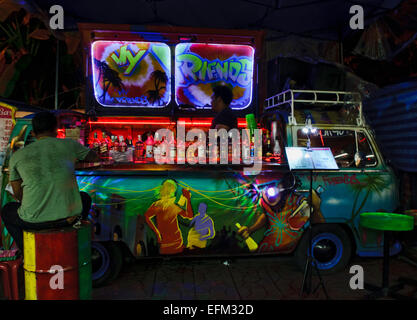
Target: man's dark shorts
x=15 y=225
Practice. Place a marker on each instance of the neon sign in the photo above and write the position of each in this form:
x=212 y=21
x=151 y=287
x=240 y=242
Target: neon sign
x=200 y=67
x=127 y=58
x=194 y=69
x=131 y=74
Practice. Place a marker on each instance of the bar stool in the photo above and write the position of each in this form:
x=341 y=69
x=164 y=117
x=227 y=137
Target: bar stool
x=10 y=270
x=386 y=222
x=69 y=249
x=6 y=280
x=406 y=280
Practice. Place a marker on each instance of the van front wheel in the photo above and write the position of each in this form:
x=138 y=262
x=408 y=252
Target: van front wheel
x=106 y=260
x=331 y=248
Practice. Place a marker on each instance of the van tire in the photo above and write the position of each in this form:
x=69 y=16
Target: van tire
x=107 y=261
x=335 y=249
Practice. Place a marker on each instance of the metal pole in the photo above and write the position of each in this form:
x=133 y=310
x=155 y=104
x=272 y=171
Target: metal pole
x=385 y=269
x=341 y=45
x=56 y=74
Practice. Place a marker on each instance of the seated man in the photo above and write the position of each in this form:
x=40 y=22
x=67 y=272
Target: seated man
x=43 y=181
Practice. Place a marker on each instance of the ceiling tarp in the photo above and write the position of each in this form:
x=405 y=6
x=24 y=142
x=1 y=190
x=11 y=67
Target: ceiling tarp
x=324 y=19
x=389 y=34
x=300 y=47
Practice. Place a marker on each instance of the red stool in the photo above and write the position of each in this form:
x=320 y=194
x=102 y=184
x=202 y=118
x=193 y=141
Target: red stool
x=10 y=270
x=6 y=280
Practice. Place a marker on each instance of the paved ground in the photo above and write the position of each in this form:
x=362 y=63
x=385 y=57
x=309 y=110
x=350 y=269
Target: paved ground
x=261 y=278
x=242 y=279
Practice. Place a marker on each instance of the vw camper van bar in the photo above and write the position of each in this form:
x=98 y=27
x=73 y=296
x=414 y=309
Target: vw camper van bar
x=331 y=97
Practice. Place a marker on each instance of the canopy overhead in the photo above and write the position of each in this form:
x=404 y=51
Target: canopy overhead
x=324 y=19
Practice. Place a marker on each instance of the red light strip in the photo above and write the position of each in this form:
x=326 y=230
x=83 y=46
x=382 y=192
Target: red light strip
x=241 y=124
x=134 y=122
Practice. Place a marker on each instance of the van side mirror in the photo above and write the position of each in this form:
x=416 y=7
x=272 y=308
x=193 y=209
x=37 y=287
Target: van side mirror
x=359 y=159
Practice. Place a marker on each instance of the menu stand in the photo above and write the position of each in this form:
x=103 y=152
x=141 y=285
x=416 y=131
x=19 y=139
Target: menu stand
x=310 y=159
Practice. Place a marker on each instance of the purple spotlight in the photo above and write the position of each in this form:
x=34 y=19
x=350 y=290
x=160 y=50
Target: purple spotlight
x=272 y=192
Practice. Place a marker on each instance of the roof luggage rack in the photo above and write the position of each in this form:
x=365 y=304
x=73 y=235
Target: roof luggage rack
x=329 y=98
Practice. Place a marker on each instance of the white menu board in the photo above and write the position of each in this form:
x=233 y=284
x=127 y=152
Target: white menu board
x=6 y=126
x=310 y=159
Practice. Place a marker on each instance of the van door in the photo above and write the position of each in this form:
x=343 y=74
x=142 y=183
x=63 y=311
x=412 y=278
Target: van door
x=363 y=184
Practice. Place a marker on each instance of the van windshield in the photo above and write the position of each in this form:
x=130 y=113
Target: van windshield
x=351 y=149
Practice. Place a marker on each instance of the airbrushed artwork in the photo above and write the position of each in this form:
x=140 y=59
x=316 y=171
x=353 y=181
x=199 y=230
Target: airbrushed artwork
x=200 y=67
x=185 y=216
x=222 y=214
x=226 y=212
x=131 y=74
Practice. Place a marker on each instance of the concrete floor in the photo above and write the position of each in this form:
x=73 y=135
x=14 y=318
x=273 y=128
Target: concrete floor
x=272 y=278
x=260 y=278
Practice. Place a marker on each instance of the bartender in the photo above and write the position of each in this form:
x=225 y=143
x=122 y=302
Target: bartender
x=220 y=103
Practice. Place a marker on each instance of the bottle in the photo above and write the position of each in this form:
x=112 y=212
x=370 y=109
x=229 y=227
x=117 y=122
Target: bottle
x=139 y=149
x=95 y=145
x=268 y=142
x=213 y=149
x=190 y=153
x=246 y=150
x=122 y=144
x=259 y=150
x=156 y=146
x=129 y=143
x=201 y=146
x=172 y=150
x=104 y=151
x=230 y=147
x=235 y=151
x=252 y=245
x=276 y=149
x=181 y=149
x=164 y=147
x=129 y=148
x=149 y=147
x=267 y=145
x=116 y=143
x=109 y=142
x=251 y=125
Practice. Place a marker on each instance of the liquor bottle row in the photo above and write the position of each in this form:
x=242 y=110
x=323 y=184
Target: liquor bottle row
x=148 y=146
x=121 y=149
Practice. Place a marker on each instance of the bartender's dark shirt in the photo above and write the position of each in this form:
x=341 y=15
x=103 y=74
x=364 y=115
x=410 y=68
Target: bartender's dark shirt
x=226 y=118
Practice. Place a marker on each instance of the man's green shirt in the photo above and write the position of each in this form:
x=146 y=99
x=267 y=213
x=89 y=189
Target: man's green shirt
x=50 y=190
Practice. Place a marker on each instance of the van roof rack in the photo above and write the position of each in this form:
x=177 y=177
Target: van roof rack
x=325 y=98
